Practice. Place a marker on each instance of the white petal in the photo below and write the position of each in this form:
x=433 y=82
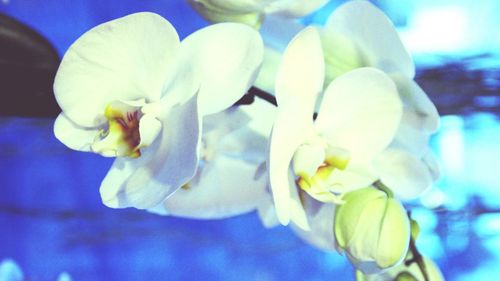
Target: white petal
x=355 y=176
x=307 y=159
x=225 y=59
x=226 y=187
x=320 y=217
x=301 y=73
x=295 y=8
x=267 y=74
x=74 y=136
x=289 y=132
x=277 y=33
x=267 y=213
x=374 y=34
x=430 y=160
x=165 y=166
x=421 y=112
x=149 y=128
x=406 y=175
x=360 y=112
x=124 y=59
x=411 y=139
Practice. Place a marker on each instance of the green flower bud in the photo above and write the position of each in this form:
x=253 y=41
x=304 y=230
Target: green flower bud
x=231 y=11
x=373 y=229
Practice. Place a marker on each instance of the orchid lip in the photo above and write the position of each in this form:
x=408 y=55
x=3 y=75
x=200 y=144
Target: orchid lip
x=121 y=135
x=313 y=164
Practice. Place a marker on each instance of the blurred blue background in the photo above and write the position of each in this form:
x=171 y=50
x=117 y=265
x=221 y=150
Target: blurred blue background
x=52 y=220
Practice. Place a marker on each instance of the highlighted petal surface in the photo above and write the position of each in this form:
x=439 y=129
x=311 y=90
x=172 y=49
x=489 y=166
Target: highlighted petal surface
x=289 y=132
x=224 y=187
x=124 y=59
x=360 y=112
x=225 y=59
x=374 y=33
x=72 y=135
x=302 y=70
x=406 y=175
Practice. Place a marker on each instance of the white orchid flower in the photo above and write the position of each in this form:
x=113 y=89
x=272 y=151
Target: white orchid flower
x=130 y=89
x=225 y=183
x=373 y=229
x=252 y=12
x=357 y=35
x=358 y=117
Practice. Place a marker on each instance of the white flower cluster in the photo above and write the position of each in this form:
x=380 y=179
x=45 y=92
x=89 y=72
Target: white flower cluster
x=347 y=141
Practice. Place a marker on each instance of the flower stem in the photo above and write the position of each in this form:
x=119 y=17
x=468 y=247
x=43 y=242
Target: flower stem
x=416 y=256
x=382 y=187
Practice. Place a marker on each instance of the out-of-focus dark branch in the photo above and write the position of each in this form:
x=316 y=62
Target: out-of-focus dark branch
x=253 y=92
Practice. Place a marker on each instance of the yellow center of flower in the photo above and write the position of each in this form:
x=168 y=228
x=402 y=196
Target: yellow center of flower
x=122 y=137
x=317 y=184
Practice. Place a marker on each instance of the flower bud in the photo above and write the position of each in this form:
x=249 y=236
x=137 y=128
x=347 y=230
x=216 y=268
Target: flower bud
x=230 y=11
x=373 y=229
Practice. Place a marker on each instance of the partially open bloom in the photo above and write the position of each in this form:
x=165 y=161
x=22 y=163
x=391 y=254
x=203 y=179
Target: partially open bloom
x=130 y=89
x=358 y=117
x=373 y=229
x=252 y=12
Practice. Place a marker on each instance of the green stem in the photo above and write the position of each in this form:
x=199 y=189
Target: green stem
x=380 y=186
x=416 y=256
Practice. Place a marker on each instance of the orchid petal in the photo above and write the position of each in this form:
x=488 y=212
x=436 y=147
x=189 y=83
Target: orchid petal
x=124 y=59
x=409 y=138
x=165 y=166
x=374 y=34
x=406 y=175
x=421 y=112
x=357 y=175
x=294 y=9
x=360 y=112
x=302 y=70
x=430 y=160
x=72 y=135
x=289 y=132
x=267 y=212
x=342 y=54
x=222 y=188
x=307 y=159
x=320 y=217
x=225 y=59
x=267 y=74
x=149 y=129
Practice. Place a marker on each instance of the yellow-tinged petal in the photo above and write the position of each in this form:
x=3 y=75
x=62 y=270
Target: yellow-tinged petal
x=124 y=59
